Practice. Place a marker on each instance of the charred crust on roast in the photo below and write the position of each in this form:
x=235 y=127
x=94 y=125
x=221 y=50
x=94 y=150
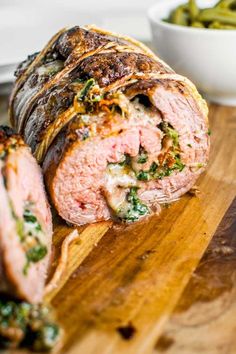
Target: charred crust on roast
x=109 y=67
x=7 y=134
x=106 y=68
x=68 y=40
x=21 y=68
x=49 y=107
x=86 y=40
x=75 y=36
x=9 y=141
x=50 y=56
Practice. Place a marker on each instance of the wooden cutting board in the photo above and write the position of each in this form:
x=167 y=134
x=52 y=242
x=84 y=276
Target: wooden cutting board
x=121 y=298
x=204 y=318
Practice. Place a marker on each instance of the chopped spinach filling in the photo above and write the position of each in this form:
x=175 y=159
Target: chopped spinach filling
x=143 y=156
x=46 y=337
x=136 y=209
x=88 y=94
x=84 y=91
x=143 y=176
x=126 y=161
x=35 y=250
x=30 y=218
x=170 y=162
x=26 y=325
x=29 y=230
x=171 y=133
x=160 y=171
x=36 y=253
x=2 y=155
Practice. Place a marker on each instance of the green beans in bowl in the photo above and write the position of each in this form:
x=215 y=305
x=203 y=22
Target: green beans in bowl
x=220 y=16
x=198 y=40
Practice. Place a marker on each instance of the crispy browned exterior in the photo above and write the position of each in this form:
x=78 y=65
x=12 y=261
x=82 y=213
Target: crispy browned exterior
x=9 y=139
x=115 y=62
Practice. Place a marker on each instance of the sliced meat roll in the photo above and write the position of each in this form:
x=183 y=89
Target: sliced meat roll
x=117 y=131
x=25 y=221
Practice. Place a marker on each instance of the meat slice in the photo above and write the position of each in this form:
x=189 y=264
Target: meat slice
x=25 y=221
x=117 y=131
x=83 y=173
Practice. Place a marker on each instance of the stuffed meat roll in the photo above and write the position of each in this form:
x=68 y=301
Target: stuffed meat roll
x=117 y=131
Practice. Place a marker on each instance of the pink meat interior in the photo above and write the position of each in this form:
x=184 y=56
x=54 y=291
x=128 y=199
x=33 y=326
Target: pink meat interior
x=24 y=184
x=78 y=184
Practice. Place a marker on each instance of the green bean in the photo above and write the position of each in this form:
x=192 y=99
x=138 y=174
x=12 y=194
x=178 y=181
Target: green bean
x=179 y=16
x=228 y=27
x=197 y=24
x=221 y=15
x=214 y=25
x=193 y=9
x=225 y=4
x=218 y=25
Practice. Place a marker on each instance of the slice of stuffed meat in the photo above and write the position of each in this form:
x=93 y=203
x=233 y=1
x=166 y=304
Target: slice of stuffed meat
x=25 y=221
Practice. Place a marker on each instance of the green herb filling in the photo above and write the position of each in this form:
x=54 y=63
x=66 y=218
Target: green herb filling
x=26 y=325
x=136 y=208
x=29 y=231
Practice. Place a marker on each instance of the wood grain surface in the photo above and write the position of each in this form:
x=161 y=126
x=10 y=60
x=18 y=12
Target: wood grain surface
x=204 y=319
x=128 y=294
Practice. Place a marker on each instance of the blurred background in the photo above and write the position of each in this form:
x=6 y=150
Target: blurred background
x=26 y=25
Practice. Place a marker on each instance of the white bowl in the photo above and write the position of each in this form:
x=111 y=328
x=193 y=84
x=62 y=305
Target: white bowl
x=206 y=56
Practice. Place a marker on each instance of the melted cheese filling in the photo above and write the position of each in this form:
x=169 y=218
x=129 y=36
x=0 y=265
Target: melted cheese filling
x=118 y=180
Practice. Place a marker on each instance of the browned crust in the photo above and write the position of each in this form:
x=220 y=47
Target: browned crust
x=84 y=41
x=24 y=76
x=114 y=61
x=107 y=68
x=117 y=58
x=9 y=139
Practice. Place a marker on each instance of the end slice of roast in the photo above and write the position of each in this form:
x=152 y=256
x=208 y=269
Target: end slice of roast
x=25 y=221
